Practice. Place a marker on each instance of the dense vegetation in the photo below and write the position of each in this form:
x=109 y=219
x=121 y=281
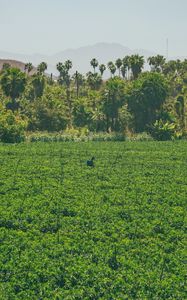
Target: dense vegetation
x=116 y=231
x=131 y=101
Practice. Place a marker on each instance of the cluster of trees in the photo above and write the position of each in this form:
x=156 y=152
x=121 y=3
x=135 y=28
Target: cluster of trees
x=131 y=100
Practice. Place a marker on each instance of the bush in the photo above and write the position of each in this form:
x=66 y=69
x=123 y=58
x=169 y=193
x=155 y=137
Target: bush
x=12 y=127
x=162 y=131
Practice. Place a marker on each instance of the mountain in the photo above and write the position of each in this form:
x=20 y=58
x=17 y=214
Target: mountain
x=81 y=57
x=12 y=63
x=104 y=52
x=15 y=64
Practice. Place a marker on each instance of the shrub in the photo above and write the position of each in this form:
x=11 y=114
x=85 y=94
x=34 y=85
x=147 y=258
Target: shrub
x=12 y=127
x=162 y=131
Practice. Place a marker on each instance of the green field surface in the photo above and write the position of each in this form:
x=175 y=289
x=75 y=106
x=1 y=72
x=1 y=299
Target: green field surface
x=115 y=231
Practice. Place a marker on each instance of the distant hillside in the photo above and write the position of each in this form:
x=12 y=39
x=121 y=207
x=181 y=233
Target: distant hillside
x=104 y=52
x=15 y=64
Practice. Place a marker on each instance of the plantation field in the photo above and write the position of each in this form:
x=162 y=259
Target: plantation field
x=115 y=231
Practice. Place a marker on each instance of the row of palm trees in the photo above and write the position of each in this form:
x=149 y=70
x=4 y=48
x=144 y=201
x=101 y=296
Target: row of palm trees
x=127 y=68
x=135 y=63
x=132 y=63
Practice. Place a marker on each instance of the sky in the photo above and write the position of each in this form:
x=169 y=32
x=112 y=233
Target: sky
x=50 y=26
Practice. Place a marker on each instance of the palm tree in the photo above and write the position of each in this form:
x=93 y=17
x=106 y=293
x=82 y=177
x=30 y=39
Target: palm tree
x=28 y=67
x=65 y=79
x=63 y=70
x=59 y=67
x=171 y=67
x=156 y=63
x=94 y=63
x=38 y=83
x=151 y=62
x=42 y=67
x=111 y=66
x=127 y=64
x=102 y=68
x=137 y=63
x=160 y=61
x=123 y=71
x=13 y=83
x=79 y=80
x=68 y=64
x=113 y=100
x=118 y=64
x=94 y=80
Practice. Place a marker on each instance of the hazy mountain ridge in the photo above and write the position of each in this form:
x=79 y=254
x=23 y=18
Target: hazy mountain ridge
x=15 y=64
x=103 y=52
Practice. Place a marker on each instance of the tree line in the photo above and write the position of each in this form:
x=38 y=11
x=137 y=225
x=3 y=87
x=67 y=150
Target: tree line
x=132 y=100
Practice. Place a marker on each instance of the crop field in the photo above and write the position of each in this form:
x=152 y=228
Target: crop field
x=115 y=231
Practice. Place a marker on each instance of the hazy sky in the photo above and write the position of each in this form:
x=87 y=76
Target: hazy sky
x=49 y=26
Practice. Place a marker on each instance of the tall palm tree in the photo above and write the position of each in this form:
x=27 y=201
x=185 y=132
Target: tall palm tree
x=102 y=68
x=59 y=67
x=156 y=63
x=151 y=62
x=111 y=66
x=68 y=64
x=160 y=61
x=13 y=83
x=123 y=71
x=171 y=67
x=94 y=80
x=94 y=63
x=114 y=99
x=79 y=80
x=137 y=63
x=28 y=67
x=118 y=64
x=127 y=64
x=42 y=67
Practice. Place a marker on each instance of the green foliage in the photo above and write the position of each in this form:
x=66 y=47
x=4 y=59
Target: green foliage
x=28 y=67
x=77 y=135
x=113 y=100
x=157 y=63
x=139 y=137
x=163 y=131
x=115 y=231
x=94 y=80
x=81 y=112
x=42 y=67
x=94 y=63
x=180 y=110
x=130 y=101
x=146 y=97
x=136 y=63
x=47 y=115
x=38 y=83
x=13 y=83
x=12 y=127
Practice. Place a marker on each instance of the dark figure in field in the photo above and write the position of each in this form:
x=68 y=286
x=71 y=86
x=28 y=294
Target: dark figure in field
x=90 y=163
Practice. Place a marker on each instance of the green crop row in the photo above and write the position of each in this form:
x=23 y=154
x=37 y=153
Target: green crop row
x=115 y=231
